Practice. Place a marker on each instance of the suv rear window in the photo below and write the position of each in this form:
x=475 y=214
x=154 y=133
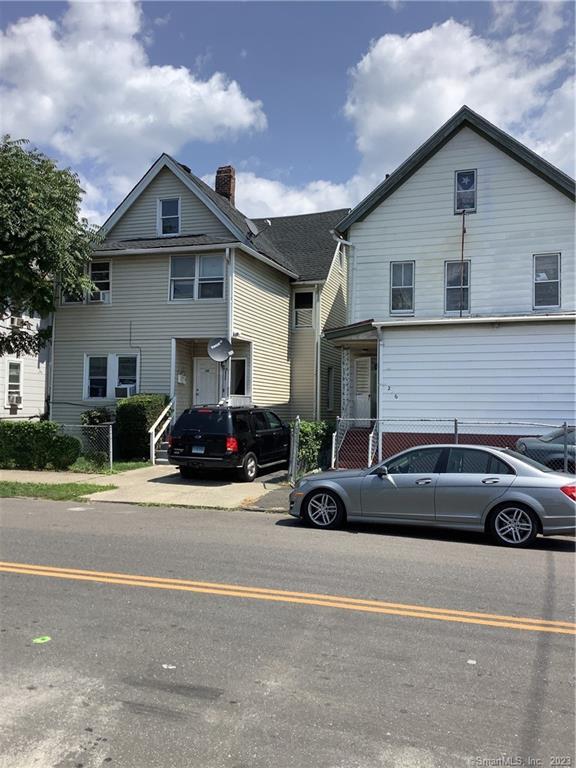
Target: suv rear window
x=204 y=420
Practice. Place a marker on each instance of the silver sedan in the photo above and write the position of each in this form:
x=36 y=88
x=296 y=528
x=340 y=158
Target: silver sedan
x=469 y=487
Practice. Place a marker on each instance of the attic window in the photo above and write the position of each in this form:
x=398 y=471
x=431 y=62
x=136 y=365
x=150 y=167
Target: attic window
x=465 y=192
x=169 y=215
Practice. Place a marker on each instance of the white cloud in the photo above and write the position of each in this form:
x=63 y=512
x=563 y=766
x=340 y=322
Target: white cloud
x=86 y=88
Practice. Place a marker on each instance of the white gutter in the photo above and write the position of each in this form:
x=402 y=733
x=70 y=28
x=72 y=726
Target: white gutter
x=308 y=282
x=475 y=320
x=168 y=249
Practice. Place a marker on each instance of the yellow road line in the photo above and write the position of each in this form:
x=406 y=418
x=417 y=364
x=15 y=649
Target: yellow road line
x=303 y=598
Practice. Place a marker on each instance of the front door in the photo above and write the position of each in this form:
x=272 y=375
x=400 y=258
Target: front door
x=362 y=388
x=205 y=381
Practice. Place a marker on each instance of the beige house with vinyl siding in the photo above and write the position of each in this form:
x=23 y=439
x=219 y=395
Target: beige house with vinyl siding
x=180 y=265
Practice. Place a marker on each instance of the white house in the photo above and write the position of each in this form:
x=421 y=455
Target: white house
x=461 y=284
x=22 y=378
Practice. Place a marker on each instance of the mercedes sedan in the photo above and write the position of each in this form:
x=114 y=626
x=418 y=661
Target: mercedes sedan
x=472 y=488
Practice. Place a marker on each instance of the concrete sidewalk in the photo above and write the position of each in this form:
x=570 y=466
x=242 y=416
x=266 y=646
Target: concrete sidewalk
x=163 y=485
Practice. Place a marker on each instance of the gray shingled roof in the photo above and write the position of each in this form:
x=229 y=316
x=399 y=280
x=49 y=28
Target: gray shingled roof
x=161 y=242
x=306 y=240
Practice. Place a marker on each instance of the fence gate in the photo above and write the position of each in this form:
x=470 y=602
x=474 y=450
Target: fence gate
x=95 y=442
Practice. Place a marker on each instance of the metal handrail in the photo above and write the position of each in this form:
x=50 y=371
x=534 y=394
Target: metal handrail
x=155 y=436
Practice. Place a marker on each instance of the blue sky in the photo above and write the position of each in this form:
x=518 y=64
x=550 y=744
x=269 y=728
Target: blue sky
x=311 y=102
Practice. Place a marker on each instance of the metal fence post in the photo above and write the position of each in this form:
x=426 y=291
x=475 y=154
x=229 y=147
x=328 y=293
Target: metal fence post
x=565 y=428
x=292 y=468
x=110 y=449
x=338 y=421
x=456 y=431
x=333 y=456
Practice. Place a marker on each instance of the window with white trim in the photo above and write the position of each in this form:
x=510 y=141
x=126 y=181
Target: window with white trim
x=238 y=383
x=100 y=276
x=303 y=309
x=465 y=191
x=457 y=286
x=97 y=377
x=14 y=382
x=196 y=277
x=127 y=370
x=546 y=280
x=402 y=287
x=169 y=216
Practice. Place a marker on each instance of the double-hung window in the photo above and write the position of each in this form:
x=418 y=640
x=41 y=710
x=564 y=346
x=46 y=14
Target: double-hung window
x=402 y=287
x=169 y=216
x=14 y=382
x=97 y=377
x=103 y=373
x=127 y=370
x=546 y=280
x=303 y=309
x=100 y=276
x=465 y=191
x=457 y=286
x=196 y=277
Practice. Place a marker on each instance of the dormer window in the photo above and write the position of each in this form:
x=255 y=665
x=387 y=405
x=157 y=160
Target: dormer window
x=169 y=216
x=465 y=192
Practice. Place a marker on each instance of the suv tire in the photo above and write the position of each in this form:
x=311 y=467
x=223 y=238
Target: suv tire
x=249 y=469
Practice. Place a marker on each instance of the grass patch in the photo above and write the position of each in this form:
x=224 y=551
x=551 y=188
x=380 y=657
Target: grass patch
x=56 y=491
x=83 y=464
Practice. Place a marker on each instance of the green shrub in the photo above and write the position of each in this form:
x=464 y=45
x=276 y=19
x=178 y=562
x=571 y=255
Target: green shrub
x=314 y=444
x=64 y=451
x=134 y=417
x=93 y=440
x=97 y=416
x=27 y=444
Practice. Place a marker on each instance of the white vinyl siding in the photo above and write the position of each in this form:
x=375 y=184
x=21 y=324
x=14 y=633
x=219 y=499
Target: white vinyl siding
x=510 y=371
x=24 y=375
x=141 y=219
x=417 y=223
x=333 y=314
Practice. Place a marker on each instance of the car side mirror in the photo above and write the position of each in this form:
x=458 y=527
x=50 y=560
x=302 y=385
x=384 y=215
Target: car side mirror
x=381 y=471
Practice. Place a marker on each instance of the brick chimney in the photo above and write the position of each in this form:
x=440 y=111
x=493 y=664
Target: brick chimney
x=226 y=182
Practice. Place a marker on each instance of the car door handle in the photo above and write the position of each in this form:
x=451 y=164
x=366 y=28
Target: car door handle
x=491 y=481
x=424 y=481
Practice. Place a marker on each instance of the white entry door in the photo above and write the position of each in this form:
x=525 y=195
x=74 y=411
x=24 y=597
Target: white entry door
x=362 y=393
x=205 y=381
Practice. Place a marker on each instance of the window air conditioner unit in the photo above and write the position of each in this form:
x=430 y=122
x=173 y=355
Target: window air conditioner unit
x=16 y=322
x=14 y=399
x=100 y=297
x=125 y=390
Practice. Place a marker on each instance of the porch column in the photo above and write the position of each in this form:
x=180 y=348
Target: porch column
x=346 y=384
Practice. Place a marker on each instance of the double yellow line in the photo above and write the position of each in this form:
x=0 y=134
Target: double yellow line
x=301 y=598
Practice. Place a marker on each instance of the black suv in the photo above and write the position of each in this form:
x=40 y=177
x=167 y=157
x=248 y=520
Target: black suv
x=223 y=437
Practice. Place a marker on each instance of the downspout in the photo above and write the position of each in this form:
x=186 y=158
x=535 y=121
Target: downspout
x=318 y=361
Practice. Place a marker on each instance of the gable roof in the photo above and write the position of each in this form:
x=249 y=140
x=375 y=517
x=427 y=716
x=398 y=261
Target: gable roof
x=464 y=118
x=300 y=245
x=306 y=240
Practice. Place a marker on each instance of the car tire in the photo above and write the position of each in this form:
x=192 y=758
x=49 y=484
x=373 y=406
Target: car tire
x=513 y=525
x=323 y=509
x=187 y=473
x=249 y=469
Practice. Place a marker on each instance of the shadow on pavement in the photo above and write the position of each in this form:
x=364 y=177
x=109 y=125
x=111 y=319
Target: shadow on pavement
x=551 y=544
x=217 y=478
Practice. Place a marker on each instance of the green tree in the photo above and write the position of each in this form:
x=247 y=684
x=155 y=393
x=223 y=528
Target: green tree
x=44 y=244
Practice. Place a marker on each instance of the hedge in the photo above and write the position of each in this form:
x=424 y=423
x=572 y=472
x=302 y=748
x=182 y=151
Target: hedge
x=35 y=445
x=315 y=444
x=134 y=417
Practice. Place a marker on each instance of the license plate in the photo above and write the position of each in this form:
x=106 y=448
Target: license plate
x=198 y=449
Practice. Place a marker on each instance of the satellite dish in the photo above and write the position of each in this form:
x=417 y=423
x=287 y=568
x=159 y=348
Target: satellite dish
x=220 y=349
x=252 y=227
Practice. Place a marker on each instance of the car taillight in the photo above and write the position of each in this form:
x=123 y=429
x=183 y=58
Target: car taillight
x=231 y=445
x=570 y=491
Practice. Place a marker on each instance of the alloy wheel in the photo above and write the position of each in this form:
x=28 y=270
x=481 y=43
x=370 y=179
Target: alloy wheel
x=514 y=525
x=251 y=467
x=322 y=509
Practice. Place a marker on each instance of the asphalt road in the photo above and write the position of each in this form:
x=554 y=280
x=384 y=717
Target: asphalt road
x=183 y=675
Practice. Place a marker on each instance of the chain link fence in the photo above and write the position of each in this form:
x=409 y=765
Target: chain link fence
x=362 y=443
x=96 y=442
x=308 y=455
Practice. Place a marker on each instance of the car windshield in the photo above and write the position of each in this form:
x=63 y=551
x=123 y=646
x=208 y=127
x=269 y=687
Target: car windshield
x=203 y=420
x=531 y=462
x=558 y=434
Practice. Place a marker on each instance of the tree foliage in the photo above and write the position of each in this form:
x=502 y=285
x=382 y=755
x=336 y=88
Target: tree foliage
x=44 y=244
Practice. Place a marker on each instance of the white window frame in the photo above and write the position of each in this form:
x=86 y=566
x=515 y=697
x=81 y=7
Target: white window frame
x=86 y=298
x=312 y=309
x=159 y=216
x=111 y=374
x=247 y=377
x=196 y=279
x=466 y=210
x=540 y=307
x=453 y=312
x=413 y=287
x=20 y=363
